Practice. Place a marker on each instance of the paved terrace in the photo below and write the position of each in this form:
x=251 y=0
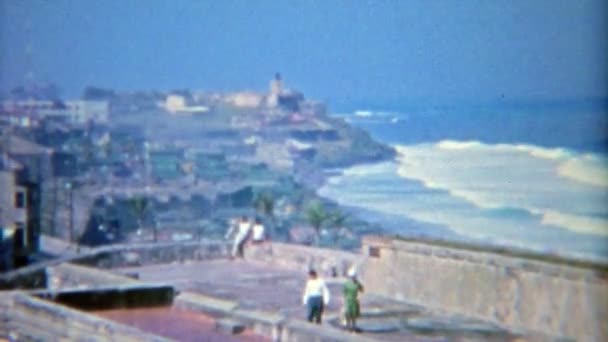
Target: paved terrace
x=273 y=291
x=261 y=294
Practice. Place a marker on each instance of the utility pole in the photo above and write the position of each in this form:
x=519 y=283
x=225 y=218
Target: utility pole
x=69 y=187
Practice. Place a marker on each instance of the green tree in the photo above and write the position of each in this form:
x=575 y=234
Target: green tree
x=317 y=216
x=337 y=221
x=264 y=204
x=139 y=207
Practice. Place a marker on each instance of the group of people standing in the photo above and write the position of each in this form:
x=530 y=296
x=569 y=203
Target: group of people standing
x=316 y=293
x=243 y=229
x=316 y=297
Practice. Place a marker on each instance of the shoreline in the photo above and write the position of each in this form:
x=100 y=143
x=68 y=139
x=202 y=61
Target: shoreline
x=418 y=230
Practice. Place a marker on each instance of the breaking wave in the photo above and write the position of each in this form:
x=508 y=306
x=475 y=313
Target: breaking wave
x=586 y=169
x=547 y=199
x=566 y=189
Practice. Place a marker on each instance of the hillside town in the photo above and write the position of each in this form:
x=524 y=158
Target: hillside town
x=116 y=167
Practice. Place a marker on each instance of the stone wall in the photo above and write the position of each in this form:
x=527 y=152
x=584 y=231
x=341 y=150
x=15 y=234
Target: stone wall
x=33 y=319
x=153 y=253
x=521 y=293
x=127 y=296
x=35 y=275
x=70 y=275
x=328 y=262
x=26 y=278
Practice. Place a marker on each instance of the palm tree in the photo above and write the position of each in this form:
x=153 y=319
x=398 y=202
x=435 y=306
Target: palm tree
x=338 y=219
x=316 y=215
x=139 y=207
x=264 y=203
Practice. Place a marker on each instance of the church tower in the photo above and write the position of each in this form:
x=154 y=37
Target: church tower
x=276 y=90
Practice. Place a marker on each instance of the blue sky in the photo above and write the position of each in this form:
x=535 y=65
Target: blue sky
x=360 y=51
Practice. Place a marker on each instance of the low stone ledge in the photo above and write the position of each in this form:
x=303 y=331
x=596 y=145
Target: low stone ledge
x=77 y=325
x=264 y=323
x=116 y=297
x=328 y=262
x=201 y=303
x=302 y=331
x=126 y=255
x=274 y=325
x=24 y=279
x=23 y=327
x=229 y=326
x=71 y=275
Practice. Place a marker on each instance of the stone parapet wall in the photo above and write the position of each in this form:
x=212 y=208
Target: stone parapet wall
x=520 y=293
x=24 y=279
x=33 y=319
x=70 y=275
x=114 y=256
x=328 y=262
x=153 y=253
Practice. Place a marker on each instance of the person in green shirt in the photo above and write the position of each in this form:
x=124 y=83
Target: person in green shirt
x=351 y=290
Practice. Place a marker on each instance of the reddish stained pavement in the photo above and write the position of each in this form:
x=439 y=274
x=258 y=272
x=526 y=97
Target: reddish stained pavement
x=177 y=324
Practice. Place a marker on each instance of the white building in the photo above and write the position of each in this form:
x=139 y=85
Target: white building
x=177 y=104
x=75 y=111
x=245 y=99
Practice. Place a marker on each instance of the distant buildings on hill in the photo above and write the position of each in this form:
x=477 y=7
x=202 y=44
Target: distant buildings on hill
x=27 y=112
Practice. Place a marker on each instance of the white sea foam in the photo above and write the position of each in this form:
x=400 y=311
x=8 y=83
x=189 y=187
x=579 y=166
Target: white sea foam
x=368 y=169
x=586 y=169
x=551 y=183
x=380 y=189
x=535 y=151
x=579 y=224
x=366 y=116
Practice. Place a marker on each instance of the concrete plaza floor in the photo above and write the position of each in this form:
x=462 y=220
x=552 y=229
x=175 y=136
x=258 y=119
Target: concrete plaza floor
x=260 y=286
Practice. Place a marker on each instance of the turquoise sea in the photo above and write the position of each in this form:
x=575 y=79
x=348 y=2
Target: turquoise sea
x=529 y=176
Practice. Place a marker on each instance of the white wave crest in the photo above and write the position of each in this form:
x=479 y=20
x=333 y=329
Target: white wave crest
x=534 y=151
x=580 y=224
x=459 y=145
x=369 y=169
x=549 y=153
x=587 y=169
x=542 y=181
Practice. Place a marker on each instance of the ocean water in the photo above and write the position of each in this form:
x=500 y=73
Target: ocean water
x=532 y=178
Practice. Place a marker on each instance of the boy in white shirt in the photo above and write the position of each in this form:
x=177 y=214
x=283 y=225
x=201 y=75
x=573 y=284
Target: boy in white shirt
x=243 y=229
x=315 y=297
x=258 y=232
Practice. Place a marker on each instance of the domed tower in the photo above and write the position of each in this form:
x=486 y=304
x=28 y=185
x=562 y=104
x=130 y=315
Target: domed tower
x=276 y=89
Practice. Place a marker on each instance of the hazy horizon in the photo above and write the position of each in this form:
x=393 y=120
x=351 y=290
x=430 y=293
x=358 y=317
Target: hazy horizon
x=433 y=52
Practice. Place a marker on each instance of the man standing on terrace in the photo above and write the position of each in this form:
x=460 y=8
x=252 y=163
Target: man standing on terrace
x=315 y=297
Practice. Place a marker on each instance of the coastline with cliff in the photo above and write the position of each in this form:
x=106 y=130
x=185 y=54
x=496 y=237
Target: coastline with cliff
x=178 y=165
x=160 y=180
x=526 y=176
